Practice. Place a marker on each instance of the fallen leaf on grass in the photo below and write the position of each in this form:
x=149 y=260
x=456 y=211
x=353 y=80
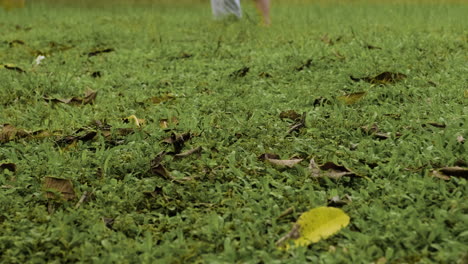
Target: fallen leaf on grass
x=383 y=78
x=337 y=201
x=8 y=166
x=161 y=98
x=305 y=65
x=434 y=124
x=138 y=122
x=313 y=226
x=12 y=67
x=290 y=114
x=275 y=160
x=371 y=47
x=9 y=132
x=15 y=43
x=300 y=123
x=375 y=131
x=157 y=168
x=62 y=187
x=100 y=51
x=351 y=98
x=178 y=141
x=321 y=101
x=447 y=172
x=73 y=139
x=188 y=153
x=240 y=73
x=466 y=94
x=166 y=122
x=89 y=98
x=329 y=170
x=460 y=139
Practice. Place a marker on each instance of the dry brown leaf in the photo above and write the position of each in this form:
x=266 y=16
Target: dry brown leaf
x=89 y=98
x=9 y=132
x=157 y=168
x=329 y=170
x=100 y=51
x=300 y=123
x=447 y=172
x=8 y=166
x=188 y=153
x=242 y=72
x=63 y=187
x=161 y=98
x=265 y=156
x=290 y=114
x=351 y=98
x=178 y=141
x=12 y=68
x=369 y=46
x=284 y=163
x=439 y=125
x=383 y=78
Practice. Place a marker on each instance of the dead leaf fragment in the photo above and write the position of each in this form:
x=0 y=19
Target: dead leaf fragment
x=188 y=153
x=305 y=65
x=9 y=132
x=337 y=201
x=329 y=170
x=439 y=125
x=178 y=141
x=135 y=120
x=371 y=47
x=383 y=78
x=161 y=98
x=264 y=75
x=99 y=51
x=12 y=67
x=242 y=72
x=16 y=42
x=63 y=187
x=8 y=166
x=89 y=98
x=300 y=123
x=166 y=122
x=157 y=168
x=351 y=98
x=290 y=114
x=284 y=163
x=447 y=172
x=460 y=139
x=266 y=156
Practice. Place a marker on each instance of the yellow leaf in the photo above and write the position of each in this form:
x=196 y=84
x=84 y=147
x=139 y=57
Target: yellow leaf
x=314 y=225
x=138 y=122
x=466 y=93
x=351 y=98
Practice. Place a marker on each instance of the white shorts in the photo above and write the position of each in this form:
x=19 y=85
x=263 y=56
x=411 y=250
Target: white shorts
x=224 y=8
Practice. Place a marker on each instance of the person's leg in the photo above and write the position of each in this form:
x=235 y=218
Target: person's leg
x=264 y=7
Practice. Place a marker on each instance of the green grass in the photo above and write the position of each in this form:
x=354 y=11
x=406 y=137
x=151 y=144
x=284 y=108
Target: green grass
x=228 y=211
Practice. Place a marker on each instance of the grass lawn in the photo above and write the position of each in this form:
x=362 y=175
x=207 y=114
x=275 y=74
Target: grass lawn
x=94 y=137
